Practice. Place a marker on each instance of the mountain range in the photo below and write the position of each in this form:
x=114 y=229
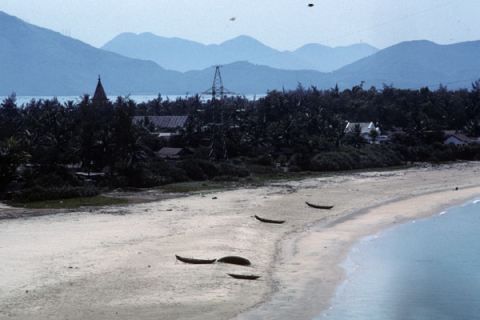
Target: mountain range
x=184 y=55
x=416 y=64
x=40 y=62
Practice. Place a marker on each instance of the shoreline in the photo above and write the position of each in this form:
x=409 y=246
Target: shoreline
x=119 y=261
x=330 y=242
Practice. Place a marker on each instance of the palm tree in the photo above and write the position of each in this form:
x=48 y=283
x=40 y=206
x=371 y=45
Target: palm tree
x=11 y=156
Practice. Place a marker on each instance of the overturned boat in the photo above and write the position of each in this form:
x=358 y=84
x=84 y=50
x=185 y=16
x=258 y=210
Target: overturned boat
x=244 y=276
x=195 y=261
x=317 y=206
x=235 y=260
x=269 y=220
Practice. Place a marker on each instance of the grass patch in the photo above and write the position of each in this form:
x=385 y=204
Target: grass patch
x=265 y=178
x=382 y=169
x=73 y=203
x=262 y=179
x=197 y=186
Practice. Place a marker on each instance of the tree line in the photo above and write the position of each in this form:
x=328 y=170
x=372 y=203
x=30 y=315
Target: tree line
x=296 y=130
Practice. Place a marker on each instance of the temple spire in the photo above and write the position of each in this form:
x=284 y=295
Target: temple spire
x=99 y=97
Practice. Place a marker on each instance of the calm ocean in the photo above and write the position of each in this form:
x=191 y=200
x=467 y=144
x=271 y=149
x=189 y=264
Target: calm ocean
x=427 y=269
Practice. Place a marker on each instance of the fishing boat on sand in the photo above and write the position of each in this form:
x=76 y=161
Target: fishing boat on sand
x=195 y=261
x=268 y=220
x=243 y=276
x=318 y=207
x=235 y=260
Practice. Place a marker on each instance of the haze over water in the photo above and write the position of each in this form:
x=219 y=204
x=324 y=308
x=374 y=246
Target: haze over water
x=137 y=98
x=426 y=269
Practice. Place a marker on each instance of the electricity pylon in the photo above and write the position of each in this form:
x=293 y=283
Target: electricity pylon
x=217 y=88
x=218 y=149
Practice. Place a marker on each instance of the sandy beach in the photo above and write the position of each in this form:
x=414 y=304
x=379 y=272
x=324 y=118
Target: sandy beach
x=119 y=262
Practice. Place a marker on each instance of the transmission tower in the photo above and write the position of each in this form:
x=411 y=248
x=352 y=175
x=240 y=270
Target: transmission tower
x=218 y=90
x=218 y=149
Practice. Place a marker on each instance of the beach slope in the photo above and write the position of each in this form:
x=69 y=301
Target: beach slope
x=119 y=262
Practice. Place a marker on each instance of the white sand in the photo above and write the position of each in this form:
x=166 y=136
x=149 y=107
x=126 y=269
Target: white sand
x=99 y=265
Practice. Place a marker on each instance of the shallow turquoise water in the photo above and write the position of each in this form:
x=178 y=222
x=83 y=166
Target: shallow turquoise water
x=427 y=269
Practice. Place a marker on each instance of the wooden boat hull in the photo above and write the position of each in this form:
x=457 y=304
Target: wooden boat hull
x=235 y=260
x=318 y=207
x=268 y=220
x=244 y=276
x=196 y=261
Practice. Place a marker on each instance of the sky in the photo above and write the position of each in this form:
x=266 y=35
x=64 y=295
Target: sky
x=280 y=24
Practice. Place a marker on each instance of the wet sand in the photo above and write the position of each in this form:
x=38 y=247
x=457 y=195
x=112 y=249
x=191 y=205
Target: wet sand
x=119 y=262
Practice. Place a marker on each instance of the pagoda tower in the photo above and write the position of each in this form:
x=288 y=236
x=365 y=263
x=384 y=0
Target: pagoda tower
x=99 y=97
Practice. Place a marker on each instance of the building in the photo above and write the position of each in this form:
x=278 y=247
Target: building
x=460 y=139
x=365 y=130
x=99 y=97
x=172 y=153
x=170 y=124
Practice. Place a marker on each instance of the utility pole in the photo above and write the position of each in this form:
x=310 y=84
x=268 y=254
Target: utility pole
x=218 y=149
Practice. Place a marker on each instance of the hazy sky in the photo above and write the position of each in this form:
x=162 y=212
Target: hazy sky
x=281 y=24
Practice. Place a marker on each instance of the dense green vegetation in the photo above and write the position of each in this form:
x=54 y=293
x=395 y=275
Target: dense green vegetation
x=41 y=142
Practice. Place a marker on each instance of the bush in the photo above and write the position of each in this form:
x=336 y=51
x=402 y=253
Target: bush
x=258 y=169
x=48 y=179
x=264 y=161
x=199 y=170
x=351 y=158
x=193 y=170
x=208 y=168
x=202 y=153
x=226 y=169
x=175 y=174
x=301 y=160
x=146 y=175
x=294 y=168
x=118 y=182
x=469 y=152
x=332 y=161
x=225 y=178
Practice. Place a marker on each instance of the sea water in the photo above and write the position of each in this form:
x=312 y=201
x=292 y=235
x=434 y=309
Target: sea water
x=427 y=269
x=137 y=98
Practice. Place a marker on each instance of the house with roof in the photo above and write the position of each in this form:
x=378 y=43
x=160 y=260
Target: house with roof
x=365 y=131
x=460 y=139
x=172 y=153
x=164 y=126
x=163 y=123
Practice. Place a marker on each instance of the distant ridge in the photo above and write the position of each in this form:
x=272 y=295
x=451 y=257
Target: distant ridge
x=184 y=55
x=244 y=77
x=323 y=58
x=416 y=64
x=39 y=62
